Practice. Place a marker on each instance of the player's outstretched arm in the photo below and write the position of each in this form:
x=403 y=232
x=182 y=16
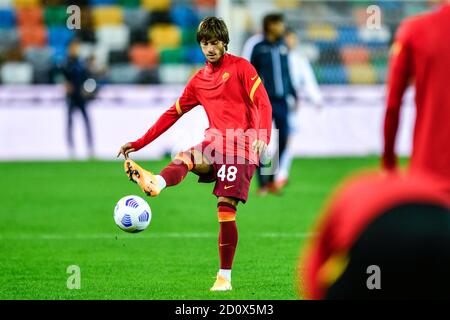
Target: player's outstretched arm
x=165 y=121
x=185 y=103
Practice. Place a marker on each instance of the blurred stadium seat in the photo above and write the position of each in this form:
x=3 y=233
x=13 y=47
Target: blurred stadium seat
x=107 y=15
x=42 y=62
x=35 y=36
x=29 y=16
x=164 y=36
x=55 y=16
x=135 y=18
x=59 y=36
x=16 y=73
x=124 y=73
x=161 y=34
x=7 y=18
x=173 y=73
x=156 y=4
x=26 y=3
x=8 y=39
x=115 y=37
x=144 y=56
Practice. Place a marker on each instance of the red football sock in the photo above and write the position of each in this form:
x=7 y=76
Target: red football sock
x=177 y=170
x=228 y=234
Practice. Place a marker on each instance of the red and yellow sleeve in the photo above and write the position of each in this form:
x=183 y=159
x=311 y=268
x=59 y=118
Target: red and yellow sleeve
x=399 y=74
x=258 y=95
x=184 y=103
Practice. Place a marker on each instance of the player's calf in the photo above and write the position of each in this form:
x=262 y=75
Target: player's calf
x=228 y=238
x=177 y=169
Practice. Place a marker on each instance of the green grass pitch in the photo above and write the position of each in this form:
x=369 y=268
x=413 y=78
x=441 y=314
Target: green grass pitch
x=56 y=214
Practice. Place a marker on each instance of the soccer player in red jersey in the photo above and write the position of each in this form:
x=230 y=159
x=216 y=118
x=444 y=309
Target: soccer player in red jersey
x=421 y=54
x=240 y=121
x=392 y=227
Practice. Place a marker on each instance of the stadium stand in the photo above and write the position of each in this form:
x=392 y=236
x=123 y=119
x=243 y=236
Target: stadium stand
x=142 y=39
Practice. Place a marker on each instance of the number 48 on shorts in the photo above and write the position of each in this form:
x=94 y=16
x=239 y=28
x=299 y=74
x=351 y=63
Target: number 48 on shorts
x=227 y=173
x=234 y=180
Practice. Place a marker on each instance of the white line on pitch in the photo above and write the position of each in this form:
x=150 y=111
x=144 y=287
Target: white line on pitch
x=191 y=235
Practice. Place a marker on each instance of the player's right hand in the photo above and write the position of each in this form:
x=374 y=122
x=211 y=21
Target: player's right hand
x=125 y=150
x=259 y=146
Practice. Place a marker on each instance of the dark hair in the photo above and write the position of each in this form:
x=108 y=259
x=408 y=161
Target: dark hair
x=213 y=28
x=271 y=18
x=75 y=40
x=290 y=30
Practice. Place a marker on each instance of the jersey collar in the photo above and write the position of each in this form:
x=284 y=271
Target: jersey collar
x=219 y=64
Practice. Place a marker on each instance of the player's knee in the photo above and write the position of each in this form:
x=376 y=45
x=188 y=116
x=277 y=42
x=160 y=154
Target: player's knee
x=229 y=200
x=226 y=209
x=186 y=158
x=201 y=165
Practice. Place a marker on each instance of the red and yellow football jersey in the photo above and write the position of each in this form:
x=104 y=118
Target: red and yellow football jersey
x=421 y=54
x=233 y=97
x=358 y=202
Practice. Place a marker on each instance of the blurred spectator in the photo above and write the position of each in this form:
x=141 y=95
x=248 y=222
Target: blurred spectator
x=270 y=59
x=382 y=237
x=78 y=86
x=305 y=83
x=249 y=44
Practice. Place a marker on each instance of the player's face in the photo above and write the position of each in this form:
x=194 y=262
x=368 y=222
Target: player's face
x=74 y=49
x=277 y=29
x=291 y=40
x=212 y=49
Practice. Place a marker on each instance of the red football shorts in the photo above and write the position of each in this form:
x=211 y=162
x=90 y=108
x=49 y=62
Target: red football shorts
x=232 y=175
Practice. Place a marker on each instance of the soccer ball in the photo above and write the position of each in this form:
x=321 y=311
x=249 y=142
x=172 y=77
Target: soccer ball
x=132 y=214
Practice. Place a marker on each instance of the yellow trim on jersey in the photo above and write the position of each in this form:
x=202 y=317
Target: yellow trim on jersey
x=177 y=105
x=395 y=48
x=255 y=86
x=332 y=269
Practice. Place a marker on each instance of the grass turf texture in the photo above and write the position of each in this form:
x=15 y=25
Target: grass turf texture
x=56 y=214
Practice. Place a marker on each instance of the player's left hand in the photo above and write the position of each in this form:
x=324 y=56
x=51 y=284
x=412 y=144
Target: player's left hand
x=125 y=150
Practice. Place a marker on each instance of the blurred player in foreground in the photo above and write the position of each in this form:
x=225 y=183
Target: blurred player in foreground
x=238 y=108
x=382 y=237
x=421 y=54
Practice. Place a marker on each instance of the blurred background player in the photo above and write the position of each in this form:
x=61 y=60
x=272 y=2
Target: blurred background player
x=233 y=96
x=381 y=237
x=270 y=59
x=425 y=61
x=76 y=73
x=305 y=84
x=250 y=43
